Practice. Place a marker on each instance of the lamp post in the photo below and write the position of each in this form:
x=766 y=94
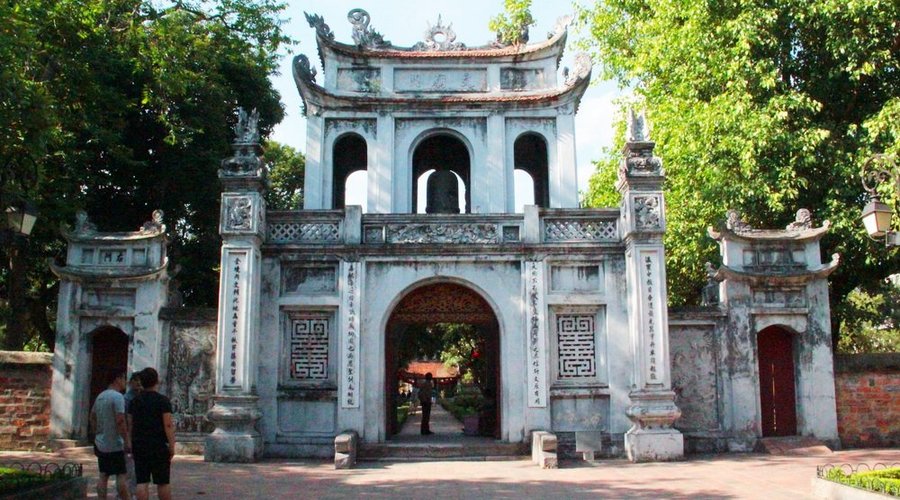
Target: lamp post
x=876 y=215
x=19 y=219
x=16 y=223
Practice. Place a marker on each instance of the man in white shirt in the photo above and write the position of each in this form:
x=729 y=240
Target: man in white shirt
x=111 y=441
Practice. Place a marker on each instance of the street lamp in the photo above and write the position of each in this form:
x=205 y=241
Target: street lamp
x=876 y=215
x=19 y=219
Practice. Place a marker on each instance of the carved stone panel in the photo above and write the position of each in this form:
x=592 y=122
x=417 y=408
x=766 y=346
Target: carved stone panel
x=443 y=233
x=576 y=346
x=440 y=80
x=647 y=212
x=366 y=80
x=308 y=279
x=521 y=79
x=779 y=297
x=579 y=278
x=317 y=233
x=694 y=376
x=191 y=380
x=101 y=298
x=242 y=213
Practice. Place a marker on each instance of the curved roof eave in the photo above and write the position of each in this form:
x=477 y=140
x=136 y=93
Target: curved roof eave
x=552 y=47
x=317 y=96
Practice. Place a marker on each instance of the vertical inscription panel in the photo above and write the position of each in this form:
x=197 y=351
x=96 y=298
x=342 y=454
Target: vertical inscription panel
x=233 y=316
x=350 y=341
x=650 y=296
x=537 y=335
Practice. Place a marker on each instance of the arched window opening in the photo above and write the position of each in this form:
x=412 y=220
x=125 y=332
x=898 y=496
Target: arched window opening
x=349 y=155
x=524 y=189
x=442 y=153
x=422 y=192
x=530 y=156
x=356 y=189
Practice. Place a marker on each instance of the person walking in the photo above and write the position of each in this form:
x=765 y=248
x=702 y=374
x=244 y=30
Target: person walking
x=134 y=388
x=153 y=437
x=425 y=390
x=111 y=440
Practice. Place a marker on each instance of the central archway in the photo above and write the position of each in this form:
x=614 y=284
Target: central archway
x=442 y=303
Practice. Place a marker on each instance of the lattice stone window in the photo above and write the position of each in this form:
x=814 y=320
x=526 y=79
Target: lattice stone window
x=577 y=357
x=308 y=342
x=578 y=345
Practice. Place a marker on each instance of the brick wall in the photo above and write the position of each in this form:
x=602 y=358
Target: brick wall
x=867 y=387
x=24 y=400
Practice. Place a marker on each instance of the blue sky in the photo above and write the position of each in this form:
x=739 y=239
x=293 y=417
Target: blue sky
x=404 y=23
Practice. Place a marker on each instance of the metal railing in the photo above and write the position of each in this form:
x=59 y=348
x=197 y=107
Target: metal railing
x=35 y=473
x=841 y=473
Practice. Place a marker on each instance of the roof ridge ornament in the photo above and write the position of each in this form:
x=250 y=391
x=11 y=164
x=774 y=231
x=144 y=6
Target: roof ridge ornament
x=562 y=23
x=247 y=161
x=155 y=224
x=363 y=34
x=445 y=43
x=318 y=22
x=734 y=222
x=83 y=224
x=581 y=70
x=802 y=221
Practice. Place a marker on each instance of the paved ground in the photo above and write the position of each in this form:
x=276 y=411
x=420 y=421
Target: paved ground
x=716 y=477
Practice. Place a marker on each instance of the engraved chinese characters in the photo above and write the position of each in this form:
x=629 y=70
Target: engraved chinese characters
x=350 y=339
x=234 y=315
x=537 y=378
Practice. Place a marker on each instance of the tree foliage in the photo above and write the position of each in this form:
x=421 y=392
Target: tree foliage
x=286 y=167
x=120 y=107
x=512 y=24
x=766 y=107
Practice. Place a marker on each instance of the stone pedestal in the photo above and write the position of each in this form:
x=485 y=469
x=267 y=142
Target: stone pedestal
x=235 y=438
x=652 y=437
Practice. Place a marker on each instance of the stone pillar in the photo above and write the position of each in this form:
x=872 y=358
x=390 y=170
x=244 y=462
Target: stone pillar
x=235 y=412
x=563 y=175
x=652 y=409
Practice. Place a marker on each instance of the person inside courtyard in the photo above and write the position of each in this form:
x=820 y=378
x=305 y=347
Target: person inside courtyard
x=111 y=441
x=134 y=388
x=153 y=437
x=425 y=390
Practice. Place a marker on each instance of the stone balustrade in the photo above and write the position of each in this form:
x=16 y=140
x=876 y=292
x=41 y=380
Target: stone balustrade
x=536 y=226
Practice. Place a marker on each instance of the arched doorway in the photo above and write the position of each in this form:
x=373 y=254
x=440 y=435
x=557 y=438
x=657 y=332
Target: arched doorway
x=430 y=308
x=109 y=353
x=530 y=156
x=777 y=392
x=349 y=155
x=442 y=153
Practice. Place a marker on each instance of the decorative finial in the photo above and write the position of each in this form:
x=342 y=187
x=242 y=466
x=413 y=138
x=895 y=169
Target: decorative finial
x=246 y=130
x=83 y=224
x=363 y=34
x=561 y=24
x=734 y=222
x=439 y=37
x=638 y=128
x=155 y=224
x=581 y=70
x=802 y=221
x=318 y=22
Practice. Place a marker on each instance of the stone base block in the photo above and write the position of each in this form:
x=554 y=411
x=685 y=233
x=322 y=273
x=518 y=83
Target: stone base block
x=654 y=445
x=345 y=446
x=233 y=447
x=543 y=450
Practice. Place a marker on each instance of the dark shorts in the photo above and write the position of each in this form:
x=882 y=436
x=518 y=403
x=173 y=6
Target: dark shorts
x=111 y=464
x=156 y=467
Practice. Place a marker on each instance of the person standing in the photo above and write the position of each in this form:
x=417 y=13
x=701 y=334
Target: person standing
x=111 y=440
x=134 y=388
x=153 y=437
x=425 y=390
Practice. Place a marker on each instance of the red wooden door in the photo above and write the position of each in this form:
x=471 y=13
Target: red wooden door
x=777 y=394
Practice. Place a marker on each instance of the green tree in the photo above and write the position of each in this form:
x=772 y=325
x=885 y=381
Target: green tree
x=286 y=168
x=765 y=107
x=512 y=24
x=120 y=107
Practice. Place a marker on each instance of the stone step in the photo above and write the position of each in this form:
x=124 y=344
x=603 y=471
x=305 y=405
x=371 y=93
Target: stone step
x=793 y=445
x=493 y=451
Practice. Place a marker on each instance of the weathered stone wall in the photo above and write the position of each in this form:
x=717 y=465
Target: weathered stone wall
x=867 y=387
x=24 y=400
x=190 y=380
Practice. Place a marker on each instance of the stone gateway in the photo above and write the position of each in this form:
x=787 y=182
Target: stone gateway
x=570 y=303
